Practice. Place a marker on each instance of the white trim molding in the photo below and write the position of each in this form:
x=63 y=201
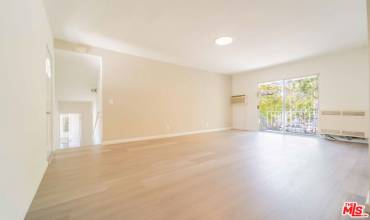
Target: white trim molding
x=127 y=140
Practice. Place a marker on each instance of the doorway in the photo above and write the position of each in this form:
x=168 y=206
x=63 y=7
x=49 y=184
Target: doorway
x=78 y=91
x=289 y=105
x=70 y=130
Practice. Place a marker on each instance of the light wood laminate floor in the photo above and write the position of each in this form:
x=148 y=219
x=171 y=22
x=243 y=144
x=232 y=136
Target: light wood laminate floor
x=223 y=175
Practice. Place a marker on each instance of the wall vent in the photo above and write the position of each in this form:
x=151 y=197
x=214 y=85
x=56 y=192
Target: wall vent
x=348 y=123
x=238 y=99
x=330 y=113
x=330 y=131
x=354 y=134
x=353 y=113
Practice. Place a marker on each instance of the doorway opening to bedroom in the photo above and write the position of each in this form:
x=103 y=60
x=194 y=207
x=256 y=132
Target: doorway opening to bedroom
x=289 y=106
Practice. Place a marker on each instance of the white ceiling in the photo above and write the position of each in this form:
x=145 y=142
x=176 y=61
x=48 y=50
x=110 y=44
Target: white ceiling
x=265 y=32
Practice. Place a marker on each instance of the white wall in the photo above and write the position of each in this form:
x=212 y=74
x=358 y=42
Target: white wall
x=153 y=98
x=343 y=83
x=24 y=39
x=143 y=98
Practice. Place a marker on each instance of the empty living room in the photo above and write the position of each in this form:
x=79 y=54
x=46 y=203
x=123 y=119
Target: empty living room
x=184 y=110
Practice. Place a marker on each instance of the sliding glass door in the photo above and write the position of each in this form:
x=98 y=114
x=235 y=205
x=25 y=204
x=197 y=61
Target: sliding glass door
x=289 y=105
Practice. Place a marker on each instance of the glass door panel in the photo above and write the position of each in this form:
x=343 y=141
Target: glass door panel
x=301 y=105
x=271 y=106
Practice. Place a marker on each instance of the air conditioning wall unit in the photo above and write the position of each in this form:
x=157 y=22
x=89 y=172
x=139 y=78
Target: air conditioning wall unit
x=348 y=123
x=238 y=99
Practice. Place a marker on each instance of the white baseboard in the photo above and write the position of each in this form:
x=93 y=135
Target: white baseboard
x=50 y=156
x=120 y=141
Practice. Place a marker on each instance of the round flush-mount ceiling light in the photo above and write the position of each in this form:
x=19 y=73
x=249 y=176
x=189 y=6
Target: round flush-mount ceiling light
x=223 y=41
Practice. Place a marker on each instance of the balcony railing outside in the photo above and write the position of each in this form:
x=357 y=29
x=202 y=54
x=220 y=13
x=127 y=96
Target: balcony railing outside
x=304 y=122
